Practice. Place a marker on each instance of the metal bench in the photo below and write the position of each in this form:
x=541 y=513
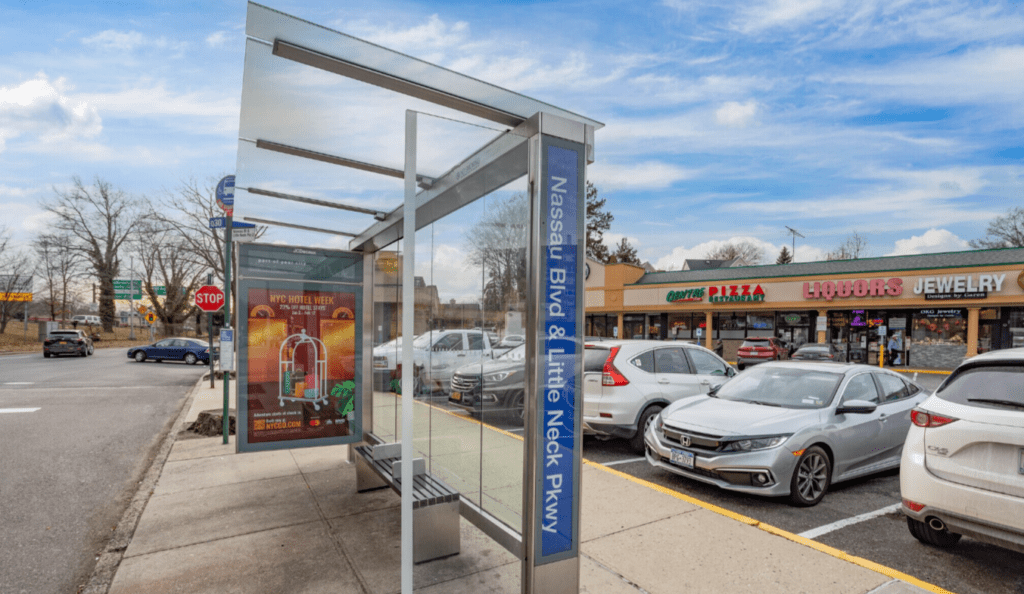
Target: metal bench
x=435 y=507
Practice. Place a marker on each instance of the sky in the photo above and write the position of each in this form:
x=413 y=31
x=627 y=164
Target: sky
x=900 y=121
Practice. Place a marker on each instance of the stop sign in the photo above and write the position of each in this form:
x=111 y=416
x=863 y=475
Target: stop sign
x=209 y=298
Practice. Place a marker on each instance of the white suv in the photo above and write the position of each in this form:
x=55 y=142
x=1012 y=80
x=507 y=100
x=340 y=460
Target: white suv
x=962 y=470
x=626 y=383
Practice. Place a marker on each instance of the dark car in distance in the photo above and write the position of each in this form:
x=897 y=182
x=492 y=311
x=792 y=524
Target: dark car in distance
x=818 y=352
x=67 y=342
x=189 y=350
x=492 y=387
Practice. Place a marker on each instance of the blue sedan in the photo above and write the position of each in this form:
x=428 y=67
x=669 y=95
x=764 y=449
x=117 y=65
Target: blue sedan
x=189 y=350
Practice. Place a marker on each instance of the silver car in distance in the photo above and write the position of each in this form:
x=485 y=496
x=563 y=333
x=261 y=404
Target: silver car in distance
x=787 y=428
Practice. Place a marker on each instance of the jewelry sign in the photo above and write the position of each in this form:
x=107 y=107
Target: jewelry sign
x=298 y=378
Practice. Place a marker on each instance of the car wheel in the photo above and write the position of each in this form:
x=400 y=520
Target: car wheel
x=516 y=408
x=925 y=533
x=140 y=356
x=191 y=359
x=739 y=367
x=46 y=355
x=637 y=443
x=811 y=478
x=91 y=351
x=84 y=353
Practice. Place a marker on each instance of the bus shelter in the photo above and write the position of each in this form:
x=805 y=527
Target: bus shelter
x=421 y=224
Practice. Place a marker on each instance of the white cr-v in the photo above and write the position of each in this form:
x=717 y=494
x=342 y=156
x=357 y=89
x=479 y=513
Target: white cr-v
x=962 y=471
x=626 y=383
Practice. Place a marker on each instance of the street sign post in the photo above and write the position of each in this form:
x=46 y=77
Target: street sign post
x=218 y=222
x=227 y=349
x=242 y=231
x=209 y=298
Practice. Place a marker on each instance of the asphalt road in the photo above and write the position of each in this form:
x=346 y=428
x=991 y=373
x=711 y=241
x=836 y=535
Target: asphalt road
x=69 y=468
x=971 y=567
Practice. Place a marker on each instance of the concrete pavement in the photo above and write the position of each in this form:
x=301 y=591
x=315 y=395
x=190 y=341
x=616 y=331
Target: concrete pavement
x=291 y=521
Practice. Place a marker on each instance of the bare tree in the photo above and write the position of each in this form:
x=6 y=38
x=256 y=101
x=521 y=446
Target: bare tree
x=100 y=219
x=498 y=244
x=61 y=266
x=1003 y=232
x=15 y=279
x=167 y=261
x=852 y=248
x=749 y=254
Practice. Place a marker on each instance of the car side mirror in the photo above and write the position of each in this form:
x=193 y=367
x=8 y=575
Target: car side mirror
x=856 y=407
x=730 y=372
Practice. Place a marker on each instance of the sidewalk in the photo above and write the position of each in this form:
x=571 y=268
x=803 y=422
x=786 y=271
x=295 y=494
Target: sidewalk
x=291 y=521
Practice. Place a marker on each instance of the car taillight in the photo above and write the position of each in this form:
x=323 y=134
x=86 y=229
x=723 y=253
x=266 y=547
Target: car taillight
x=610 y=376
x=926 y=419
x=913 y=505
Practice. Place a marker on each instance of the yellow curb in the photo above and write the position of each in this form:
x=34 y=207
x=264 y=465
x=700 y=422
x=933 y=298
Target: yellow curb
x=861 y=562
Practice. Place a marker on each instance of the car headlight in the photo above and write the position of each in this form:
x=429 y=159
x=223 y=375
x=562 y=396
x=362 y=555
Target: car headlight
x=497 y=376
x=758 y=443
x=659 y=423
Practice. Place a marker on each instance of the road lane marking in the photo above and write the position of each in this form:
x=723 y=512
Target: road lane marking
x=18 y=383
x=813 y=544
x=821 y=530
x=18 y=410
x=627 y=461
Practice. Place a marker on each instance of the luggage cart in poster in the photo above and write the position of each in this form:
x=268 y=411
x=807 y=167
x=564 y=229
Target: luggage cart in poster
x=289 y=388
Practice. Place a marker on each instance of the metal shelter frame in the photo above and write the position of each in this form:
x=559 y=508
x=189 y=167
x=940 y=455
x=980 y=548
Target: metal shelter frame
x=517 y=152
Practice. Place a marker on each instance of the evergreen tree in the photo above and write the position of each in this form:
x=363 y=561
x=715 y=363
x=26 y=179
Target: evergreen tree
x=626 y=253
x=784 y=256
x=598 y=221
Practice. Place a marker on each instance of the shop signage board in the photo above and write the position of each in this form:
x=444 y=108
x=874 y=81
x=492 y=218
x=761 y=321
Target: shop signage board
x=299 y=380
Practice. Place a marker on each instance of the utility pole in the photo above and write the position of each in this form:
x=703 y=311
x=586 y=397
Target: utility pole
x=131 y=298
x=795 y=233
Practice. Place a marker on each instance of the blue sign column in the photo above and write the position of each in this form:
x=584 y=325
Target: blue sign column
x=551 y=530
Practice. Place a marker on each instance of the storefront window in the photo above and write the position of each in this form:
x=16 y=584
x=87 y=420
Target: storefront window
x=1016 y=324
x=761 y=324
x=633 y=326
x=939 y=326
x=732 y=325
x=680 y=325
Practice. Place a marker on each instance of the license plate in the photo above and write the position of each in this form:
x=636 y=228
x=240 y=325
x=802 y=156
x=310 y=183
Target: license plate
x=681 y=458
x=63 y=342
x=1020 y=465
x=456 y=395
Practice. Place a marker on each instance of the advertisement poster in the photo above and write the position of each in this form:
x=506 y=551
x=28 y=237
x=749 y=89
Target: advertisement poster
x=301 y=372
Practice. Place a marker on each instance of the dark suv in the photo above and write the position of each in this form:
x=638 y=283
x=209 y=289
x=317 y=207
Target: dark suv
x=493 y=386
x=67 y=342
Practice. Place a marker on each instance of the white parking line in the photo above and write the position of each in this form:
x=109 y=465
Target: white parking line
x=816 y=532
x=18 y=383
x=627 y=461
x=18 y=410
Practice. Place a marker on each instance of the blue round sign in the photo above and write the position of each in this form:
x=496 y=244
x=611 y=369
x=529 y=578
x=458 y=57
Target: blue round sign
x=226 y=191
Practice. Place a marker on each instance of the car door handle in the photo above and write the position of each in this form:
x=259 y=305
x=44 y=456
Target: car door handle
x=705 y=383
x=461 y=355
x=663 y=381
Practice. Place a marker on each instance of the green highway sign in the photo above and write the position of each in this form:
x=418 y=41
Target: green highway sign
x=127 y=289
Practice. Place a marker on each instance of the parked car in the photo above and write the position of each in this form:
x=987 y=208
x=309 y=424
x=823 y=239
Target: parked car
x=963 y=463
x=189 y=350
x=790 y=428
x=718 y=347
x=87 y=320
x=492 y=386
x=626 y=383
x=512 y=340
x=68 y=342
x=759 y=350
x=818 y=352
x=437 y=354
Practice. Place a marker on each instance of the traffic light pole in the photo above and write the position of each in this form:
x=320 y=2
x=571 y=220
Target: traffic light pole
x=227 y=316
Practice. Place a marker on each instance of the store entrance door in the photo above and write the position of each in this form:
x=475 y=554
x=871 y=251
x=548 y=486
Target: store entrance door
x=989 y=335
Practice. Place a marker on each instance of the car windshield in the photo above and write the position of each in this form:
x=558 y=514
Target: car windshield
x=518 y=353
x=788 y=387
x=991 y=386
x=423 y=341
x=812 y=350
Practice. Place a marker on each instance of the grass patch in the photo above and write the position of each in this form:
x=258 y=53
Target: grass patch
x=15 y=338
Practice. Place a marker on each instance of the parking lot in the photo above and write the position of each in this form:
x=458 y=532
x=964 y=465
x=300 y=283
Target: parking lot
x=859 y=517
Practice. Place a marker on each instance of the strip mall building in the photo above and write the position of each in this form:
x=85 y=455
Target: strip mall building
x=939 y=307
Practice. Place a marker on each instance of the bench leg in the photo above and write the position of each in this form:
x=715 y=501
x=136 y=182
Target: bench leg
x=435 y=531
x=367 y=478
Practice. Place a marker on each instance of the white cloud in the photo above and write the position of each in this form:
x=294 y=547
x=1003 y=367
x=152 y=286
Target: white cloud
x=433 y=34
x=735 y=114
x=116 y=40
x=931 y=242
x=674 y=260
x=637 y=176
x=39 y=107
x=775 y=13
x=217 y=38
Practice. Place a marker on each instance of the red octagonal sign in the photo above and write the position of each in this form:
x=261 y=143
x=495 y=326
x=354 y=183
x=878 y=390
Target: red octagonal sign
x=209 y=298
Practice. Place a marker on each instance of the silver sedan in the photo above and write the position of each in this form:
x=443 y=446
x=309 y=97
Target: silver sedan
x=787 y=428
